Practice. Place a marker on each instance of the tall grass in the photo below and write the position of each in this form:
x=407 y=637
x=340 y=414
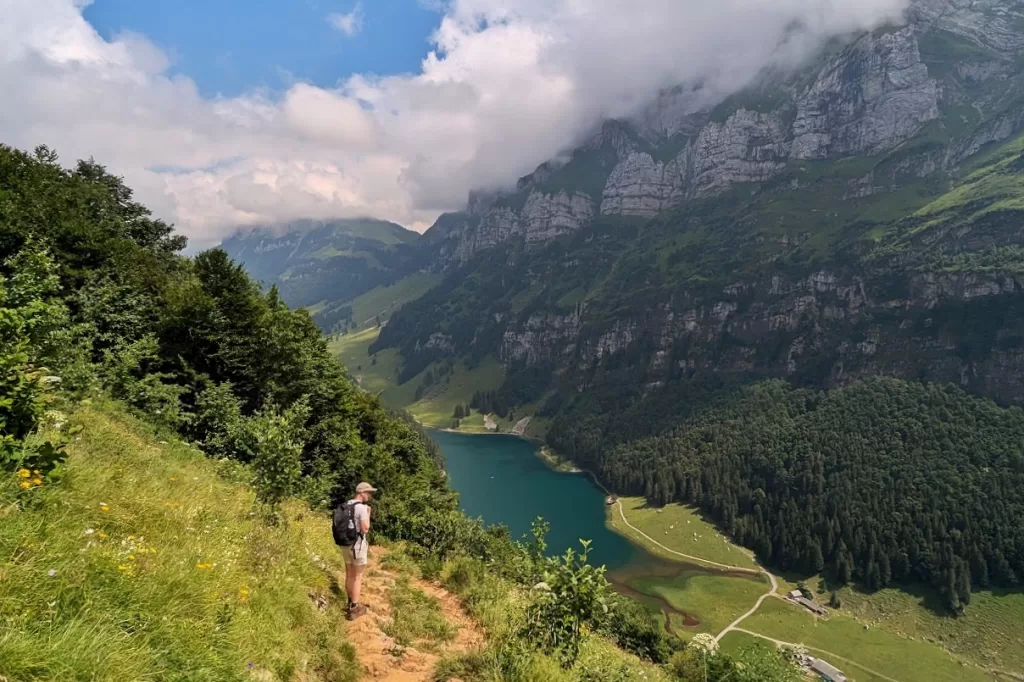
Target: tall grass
x=145 y=563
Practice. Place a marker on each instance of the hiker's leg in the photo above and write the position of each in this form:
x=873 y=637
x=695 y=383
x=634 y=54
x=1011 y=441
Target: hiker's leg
x=357 y=583
x=360 y=557
x=350 y=581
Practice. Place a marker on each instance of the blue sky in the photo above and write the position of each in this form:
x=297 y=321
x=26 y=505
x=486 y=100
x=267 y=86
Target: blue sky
x=228 y=47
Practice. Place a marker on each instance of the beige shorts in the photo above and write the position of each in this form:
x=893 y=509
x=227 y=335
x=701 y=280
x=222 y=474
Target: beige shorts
x=357 y=554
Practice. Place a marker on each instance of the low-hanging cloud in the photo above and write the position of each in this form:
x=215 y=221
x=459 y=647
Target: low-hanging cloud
x=508 y=85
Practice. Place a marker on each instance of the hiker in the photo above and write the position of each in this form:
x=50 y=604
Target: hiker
x=350 y=525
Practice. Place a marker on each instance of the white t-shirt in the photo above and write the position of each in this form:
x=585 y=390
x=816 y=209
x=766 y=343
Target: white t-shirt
x=360 y=512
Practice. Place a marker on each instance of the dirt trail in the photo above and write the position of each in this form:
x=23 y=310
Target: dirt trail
x=378 y=654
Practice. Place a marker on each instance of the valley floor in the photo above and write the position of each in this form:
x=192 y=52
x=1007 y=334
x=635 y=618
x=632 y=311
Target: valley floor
x=887 y=636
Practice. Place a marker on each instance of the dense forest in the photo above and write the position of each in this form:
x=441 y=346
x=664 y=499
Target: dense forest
x=882 y=482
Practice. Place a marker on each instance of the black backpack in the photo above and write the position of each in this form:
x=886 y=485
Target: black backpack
x=343 y=525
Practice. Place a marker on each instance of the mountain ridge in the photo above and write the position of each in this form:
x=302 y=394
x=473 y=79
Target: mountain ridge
x=323 y=265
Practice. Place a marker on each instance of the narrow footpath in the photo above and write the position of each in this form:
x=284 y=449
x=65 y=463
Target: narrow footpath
x=380 y=657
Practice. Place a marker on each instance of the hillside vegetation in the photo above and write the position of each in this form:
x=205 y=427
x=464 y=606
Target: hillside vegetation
x=145 y=561
x=325 y=265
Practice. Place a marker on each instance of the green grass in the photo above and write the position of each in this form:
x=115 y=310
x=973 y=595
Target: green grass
x=352 y=350
x=990 y=633
x=904 y=659
x=416 y=618
x=680 y=528
x=437 y=407
x=735 y=642
x=145 y=563
x=714 y=600
x=384 y=301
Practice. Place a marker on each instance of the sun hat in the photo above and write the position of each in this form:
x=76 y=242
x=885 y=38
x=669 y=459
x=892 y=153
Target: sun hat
x=365 y=487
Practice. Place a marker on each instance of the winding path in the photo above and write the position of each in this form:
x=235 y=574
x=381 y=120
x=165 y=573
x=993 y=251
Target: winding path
x=733 y=625
x=780 y=643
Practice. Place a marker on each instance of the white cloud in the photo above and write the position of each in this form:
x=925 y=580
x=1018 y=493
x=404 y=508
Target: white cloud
x=351 y=23
x=509 y=84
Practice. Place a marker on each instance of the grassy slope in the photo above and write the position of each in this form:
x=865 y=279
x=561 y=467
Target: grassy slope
x=680 y=528
x=904 y=659
x=385 y=300
x=991 y=634
x=437 y=406
x=160 y=571
x=714 y=600
x=351 y=350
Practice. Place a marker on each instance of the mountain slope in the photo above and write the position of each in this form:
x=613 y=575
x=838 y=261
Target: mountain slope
x=324 y=265
x=803 y=228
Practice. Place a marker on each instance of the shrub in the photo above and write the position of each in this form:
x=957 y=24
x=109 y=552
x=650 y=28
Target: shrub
x=633 y=629
x=130 y=372
x=271 y=441
x=571 y=600
x=26 y=315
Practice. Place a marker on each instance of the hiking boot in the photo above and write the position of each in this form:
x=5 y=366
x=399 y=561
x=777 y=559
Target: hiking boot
x=356 y=611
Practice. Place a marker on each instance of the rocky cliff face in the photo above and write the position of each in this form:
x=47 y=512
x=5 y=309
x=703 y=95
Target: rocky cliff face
x=871 y=97
x=860 y=217
x=788 y=328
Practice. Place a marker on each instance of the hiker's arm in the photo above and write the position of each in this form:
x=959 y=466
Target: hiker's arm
x=366 y=521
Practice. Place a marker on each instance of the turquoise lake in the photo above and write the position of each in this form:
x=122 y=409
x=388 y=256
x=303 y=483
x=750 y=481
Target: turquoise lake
x=501 y=479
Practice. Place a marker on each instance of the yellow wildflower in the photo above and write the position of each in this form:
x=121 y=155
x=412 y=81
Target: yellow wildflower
x=35 y=471
x=37 y=481
x=25 y=484
x=104 y=507
x=124 y=567
x=243 y=593
x=204 y=566
x=103 y=536
x=24 y=473
x=131 y=557
x=173 y=478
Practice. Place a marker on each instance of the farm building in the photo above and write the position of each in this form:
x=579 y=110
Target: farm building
x=827 y=672
x=816 y=609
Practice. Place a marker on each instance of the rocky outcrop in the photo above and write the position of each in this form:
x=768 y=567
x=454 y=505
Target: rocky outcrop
x=541 y=338
x=748 y=147
x=871 y=97
x=639 y=185
x=868 y=99
x=788 y=328
x=545 y=216
x=994 y=24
